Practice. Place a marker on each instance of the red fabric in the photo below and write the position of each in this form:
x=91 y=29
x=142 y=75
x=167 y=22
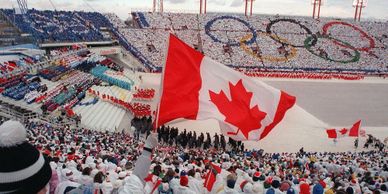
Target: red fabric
x=286 y=102
x=71 y=157
x=184 y=181
x=331 y=133
x=306 y=165
x=304 y=189
x=323 y=184
x=70 y=112
x=242 y=185
x=354 y=131
x=211 y=177
x=148 y=178
x=156 y=183
x=183 y=67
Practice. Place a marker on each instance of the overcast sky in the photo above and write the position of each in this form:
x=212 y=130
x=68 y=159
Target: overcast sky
x=376 y=9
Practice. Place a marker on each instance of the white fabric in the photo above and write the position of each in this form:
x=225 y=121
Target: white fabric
x=132 y=185
x=215 y=77
x=183 y=190
x=196 y=185
x=65 y=184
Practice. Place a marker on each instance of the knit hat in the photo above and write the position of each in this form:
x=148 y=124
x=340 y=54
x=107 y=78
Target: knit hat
x=184 y=181
x=304 y=188
x=349 y=190
x=284 y=186
x=256 y=176
x=266 y=185
x=270 y=191
x=290 y=191
x=275 y=184
x=22 y=168
x=318 y=189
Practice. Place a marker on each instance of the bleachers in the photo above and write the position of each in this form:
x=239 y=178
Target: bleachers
x=10 y=35
x=112 y=77
x=60 y=26
x=258 y=42
x=263 y=41
x=62 y=87
x=100 y=116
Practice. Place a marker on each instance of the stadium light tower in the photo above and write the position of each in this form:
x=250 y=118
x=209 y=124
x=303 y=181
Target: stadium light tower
x=202 y=6
x=359 y=4
x=250 y=7
x=23 y=6
x=157 y=6
x=316 y=8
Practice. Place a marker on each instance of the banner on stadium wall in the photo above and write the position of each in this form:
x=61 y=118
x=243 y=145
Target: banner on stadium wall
x=110 y=51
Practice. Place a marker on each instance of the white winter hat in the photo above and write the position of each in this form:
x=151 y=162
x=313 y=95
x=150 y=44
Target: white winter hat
x=122 y=175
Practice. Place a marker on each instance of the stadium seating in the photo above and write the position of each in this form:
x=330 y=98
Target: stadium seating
x=18 y=91
x=272 y=42
x=120 y=81
x=60 y=26
x=275 y=43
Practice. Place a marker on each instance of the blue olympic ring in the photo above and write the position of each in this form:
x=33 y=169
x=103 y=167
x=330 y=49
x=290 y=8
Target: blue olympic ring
x=237 y=43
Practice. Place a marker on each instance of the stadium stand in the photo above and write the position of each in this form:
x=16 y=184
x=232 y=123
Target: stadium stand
x=266 y=42
x=260 y=42
x=60 y=26
x=10 y=35
x=107 y=154
x=62 y=84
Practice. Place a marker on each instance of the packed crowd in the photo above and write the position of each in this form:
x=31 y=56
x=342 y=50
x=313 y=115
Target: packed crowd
x=273 y=42
x=136 y=108
x=305 y=75
x=144 y=94
x=16 y=63
x=60 y=26
x=68 y=93
x=84 y=161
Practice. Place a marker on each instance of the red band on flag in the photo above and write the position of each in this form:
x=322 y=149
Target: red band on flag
x=354 y=131
x=286 y=102
x=181 y=82
x=331 y=133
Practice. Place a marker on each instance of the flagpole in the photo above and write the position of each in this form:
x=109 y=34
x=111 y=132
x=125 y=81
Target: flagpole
x=161 y=86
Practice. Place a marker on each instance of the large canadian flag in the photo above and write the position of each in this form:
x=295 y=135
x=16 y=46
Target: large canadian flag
x=198 y=88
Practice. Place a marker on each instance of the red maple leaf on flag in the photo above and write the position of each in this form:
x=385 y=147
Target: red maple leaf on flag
x=343 y=131
x=237 y=111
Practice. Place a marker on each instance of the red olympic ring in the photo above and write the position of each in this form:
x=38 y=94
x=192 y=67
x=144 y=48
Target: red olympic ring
x=326 y=27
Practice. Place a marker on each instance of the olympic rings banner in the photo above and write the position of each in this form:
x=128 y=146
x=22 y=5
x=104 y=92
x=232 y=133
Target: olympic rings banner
x=344 y=52
x=281 y=43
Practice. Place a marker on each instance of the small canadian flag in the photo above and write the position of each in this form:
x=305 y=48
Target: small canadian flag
x=354 y=131
x=198 y=88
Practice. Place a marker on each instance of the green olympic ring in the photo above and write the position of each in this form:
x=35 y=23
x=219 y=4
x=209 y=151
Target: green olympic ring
x=308 y=46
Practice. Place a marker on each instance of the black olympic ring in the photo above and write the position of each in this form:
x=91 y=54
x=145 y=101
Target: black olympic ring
x=269 y=26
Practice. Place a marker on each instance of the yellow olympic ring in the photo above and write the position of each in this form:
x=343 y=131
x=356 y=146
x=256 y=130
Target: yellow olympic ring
x=248 y=50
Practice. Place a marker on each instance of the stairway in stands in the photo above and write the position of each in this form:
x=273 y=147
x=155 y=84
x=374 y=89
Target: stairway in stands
x=10 y=35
